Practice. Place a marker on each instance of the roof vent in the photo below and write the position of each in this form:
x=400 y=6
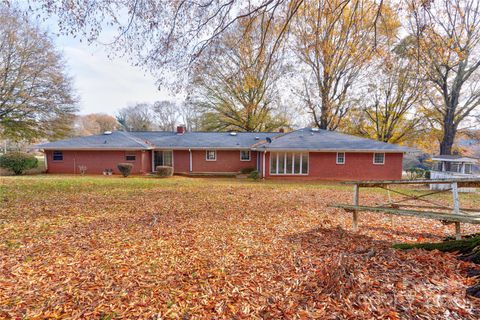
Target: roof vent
x=257 y=138
x=233 y=133
x=315 y=129
x=107 y=133
x=269 y=140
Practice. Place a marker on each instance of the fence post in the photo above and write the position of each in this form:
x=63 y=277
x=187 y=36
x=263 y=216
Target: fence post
x=355 y=202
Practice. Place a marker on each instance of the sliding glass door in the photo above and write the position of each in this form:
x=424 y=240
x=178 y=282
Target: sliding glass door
x=163 y=158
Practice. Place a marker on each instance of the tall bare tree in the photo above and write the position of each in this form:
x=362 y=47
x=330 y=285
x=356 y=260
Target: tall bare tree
x=36 y=95
x=95 y=123
x=138 y=117
x=167 y=115
x=236 y=87
x=334 y=41
x=447 y=48
x=170 y=35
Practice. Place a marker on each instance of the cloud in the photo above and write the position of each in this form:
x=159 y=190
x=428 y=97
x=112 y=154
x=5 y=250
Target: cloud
x=104 y=84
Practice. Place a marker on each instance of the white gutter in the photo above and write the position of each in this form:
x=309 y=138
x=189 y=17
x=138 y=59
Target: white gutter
x=331 y=150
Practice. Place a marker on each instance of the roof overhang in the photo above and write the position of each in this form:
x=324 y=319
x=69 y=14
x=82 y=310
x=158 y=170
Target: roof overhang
x=462 y=159
x=93 y=149
x=331 y=150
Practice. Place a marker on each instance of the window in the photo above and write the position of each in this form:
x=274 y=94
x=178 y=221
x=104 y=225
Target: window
x=468 y=168
x=211 y=155
x=57 y=156
x=379 y=158
x=290 y=163
x=245 y=155
x=340 y=157
x=456 y=167
x=130 y=157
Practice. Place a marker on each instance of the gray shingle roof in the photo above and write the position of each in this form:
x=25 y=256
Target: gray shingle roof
x=204 y=139
x=303 y=139
x=115 y=140
x=323 y=140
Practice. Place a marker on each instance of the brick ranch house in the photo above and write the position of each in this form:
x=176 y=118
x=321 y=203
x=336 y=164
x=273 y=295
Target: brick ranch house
x=301 y=154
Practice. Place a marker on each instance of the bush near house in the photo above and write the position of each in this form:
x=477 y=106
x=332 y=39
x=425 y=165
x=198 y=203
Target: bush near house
x=125 y=169
x=247 y=170
x=164 y=171
x=18 y=162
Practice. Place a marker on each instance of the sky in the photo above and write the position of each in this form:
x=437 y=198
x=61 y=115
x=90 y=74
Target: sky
x=101 y=83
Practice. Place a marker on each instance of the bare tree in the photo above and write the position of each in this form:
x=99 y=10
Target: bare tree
x=95 y=123
x=446 y=34
x=333 y=39
x=167 y=115
x=36 y=96
x=138 y=117
x=170 y=35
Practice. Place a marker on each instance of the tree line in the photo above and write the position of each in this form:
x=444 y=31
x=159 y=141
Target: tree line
x=398 y=71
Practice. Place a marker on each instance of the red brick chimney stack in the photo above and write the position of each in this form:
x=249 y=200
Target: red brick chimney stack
x=181 y=129
x=281 y=130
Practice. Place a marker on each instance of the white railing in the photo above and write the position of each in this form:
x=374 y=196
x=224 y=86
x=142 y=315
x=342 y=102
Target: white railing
x=450 y=175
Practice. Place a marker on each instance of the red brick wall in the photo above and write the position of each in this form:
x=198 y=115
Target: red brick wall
x=358 y=166
x=227 y=161
x=181 y=161
x=97 y=161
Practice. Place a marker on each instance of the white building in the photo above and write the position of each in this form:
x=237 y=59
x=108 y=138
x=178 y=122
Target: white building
x=452 y=167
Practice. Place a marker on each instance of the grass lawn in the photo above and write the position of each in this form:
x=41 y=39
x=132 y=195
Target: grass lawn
x=108 y=247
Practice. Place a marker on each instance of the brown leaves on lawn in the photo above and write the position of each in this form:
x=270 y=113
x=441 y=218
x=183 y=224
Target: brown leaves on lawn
x=209 y=249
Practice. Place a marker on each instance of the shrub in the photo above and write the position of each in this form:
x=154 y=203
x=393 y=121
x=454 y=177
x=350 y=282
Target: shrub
x=18 y=162
x=247 y=170
x=416 y=173
x=125 y=169
x=254 y=175
x=164 y=171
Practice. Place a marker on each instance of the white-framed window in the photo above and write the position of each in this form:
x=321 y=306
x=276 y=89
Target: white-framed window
x=467 y=168
x=57 y=156
x=340 y=157
x=456 y=167
x=211 y=155
x=130 y=157
x=289 y=163
x=245 y=155
x=378 y=158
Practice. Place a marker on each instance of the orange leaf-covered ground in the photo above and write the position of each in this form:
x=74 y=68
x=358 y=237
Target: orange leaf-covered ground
x=146 y=248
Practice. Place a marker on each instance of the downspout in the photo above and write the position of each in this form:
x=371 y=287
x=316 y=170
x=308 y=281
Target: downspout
x=153 y=160
x=190 y=160
x=263 y=171
x=45 y=156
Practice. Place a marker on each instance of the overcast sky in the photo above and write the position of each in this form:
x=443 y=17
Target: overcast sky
x=102 y=84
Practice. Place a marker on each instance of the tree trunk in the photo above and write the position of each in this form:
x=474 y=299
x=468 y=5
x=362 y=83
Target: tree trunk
x=449 y=129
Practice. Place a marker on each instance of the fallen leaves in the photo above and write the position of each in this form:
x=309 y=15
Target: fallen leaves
x=183 y=248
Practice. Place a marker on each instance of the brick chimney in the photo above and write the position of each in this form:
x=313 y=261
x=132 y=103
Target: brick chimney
x=181 y=129
x=281 y=130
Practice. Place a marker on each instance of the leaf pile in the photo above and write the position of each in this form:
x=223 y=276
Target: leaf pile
x=183 y=248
